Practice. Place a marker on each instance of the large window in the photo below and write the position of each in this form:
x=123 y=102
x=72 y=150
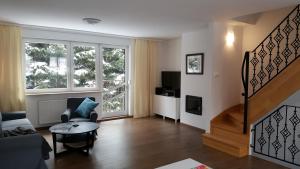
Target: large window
x=46 y=65
x=84 y=66
x=67 y=66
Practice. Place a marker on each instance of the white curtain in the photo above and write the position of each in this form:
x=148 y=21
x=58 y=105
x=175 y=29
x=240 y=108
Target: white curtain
x=12 y=96
x=145 y=54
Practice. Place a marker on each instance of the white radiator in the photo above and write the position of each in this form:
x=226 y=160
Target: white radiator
x=49 y=111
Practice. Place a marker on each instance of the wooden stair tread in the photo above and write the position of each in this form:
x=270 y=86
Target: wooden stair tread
x=236 y=137
x=225 y=145
x=226 y=141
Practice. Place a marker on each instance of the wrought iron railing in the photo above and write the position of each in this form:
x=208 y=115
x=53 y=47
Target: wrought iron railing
x=278 y=135
x=274 y=54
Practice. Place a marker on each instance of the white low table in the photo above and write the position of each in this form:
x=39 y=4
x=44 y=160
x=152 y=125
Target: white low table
x=184 y=164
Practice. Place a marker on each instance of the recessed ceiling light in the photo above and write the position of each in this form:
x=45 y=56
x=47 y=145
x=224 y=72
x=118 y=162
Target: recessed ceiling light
x=91 y=21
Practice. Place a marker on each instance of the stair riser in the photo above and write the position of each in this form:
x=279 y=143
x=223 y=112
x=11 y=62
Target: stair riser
x=230 y=135
x=234 y=121
x=234 y=151
x=239 y=119
x=237 y=130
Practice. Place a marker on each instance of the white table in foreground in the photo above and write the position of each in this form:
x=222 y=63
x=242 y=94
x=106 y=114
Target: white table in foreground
x=184 y=164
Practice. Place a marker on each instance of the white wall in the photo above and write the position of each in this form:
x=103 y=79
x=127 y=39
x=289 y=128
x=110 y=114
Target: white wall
x=75 y=36
x=220 y=84
x=196 y=85
x=227 y=61
x=267 y=21
x=170 y=59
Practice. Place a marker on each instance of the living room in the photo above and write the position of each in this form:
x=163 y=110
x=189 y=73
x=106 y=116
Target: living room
x=138 y=84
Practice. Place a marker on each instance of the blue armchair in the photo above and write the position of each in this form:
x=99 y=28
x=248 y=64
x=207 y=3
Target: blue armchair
x=71 y=115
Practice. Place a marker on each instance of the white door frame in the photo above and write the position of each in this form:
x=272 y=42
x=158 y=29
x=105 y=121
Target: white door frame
x=120 y=113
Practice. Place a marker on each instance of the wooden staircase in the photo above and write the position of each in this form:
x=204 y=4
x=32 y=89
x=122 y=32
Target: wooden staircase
x=226 y=132
x=273 y=80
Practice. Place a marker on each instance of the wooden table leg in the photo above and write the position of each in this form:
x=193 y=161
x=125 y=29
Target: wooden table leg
x=54 y=144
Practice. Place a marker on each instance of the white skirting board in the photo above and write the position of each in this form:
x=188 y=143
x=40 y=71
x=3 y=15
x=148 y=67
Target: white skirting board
x=49 y=111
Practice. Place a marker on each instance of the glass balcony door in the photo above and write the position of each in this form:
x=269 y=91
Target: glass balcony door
x=114 y=80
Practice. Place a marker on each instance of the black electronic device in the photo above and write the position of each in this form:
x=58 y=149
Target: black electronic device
x=170 y=84
x=171 y=79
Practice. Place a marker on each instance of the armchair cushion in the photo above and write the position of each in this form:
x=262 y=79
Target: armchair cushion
x=86 y=107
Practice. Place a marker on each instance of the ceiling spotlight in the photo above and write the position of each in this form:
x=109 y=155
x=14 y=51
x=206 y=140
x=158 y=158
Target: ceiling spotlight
x=91 y=21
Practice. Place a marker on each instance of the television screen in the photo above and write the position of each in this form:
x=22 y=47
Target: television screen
x=170 y=79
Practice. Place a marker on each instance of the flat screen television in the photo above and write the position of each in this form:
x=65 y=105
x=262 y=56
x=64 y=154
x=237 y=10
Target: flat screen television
x=170 y=79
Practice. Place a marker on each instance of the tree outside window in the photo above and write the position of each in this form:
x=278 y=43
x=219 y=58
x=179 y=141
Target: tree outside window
x=46 y=65
x=84 y=66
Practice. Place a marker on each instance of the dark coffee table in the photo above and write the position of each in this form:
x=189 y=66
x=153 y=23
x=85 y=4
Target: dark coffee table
x=74 y=133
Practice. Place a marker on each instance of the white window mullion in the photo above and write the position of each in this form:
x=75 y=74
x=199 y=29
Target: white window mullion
x=100 y=76
x=69 y=64
x=98 y=69
x=72 y=67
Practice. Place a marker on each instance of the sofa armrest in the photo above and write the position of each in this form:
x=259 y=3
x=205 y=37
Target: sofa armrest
x=14 y=143
x=65 y=117
x=21 y=151
x=13 y=115
x=94 y=116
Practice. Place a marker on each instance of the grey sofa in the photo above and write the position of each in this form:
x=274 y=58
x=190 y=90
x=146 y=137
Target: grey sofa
x=22 y=151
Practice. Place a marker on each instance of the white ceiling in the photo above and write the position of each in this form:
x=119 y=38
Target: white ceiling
x=136 y=18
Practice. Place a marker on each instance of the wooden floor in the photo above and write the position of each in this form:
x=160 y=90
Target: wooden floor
x=149 y=143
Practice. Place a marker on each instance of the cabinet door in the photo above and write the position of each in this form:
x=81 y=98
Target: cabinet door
x=157 y=105
x=170 y=107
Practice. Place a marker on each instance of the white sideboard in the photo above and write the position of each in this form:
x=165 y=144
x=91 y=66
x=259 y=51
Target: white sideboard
x=167 y=106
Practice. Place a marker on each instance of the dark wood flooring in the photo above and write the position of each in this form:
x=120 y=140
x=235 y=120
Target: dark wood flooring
x=149 y=143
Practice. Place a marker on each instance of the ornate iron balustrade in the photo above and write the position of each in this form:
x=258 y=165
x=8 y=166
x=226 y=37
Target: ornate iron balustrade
x=274 y=54
x=278 y=135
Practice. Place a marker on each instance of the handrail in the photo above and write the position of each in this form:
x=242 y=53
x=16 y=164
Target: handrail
x=242 y=72
x=245 y=79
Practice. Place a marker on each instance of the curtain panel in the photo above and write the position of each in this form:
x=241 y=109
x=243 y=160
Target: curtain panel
x=145 y=54
x=12 y=95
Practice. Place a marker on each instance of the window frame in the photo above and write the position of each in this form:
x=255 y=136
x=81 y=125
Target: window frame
x=46 y=90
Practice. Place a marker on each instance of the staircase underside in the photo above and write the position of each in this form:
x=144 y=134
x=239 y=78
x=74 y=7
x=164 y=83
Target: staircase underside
x=276 y=91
